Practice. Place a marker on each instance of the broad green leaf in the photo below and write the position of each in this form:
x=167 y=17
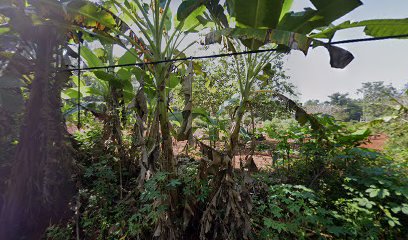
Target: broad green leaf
x=404 y=209
x=217 y=11
x=194 y=21
x=128 y=96
x=200 y=111
x=74 y=79
x=287 y=4
x=90 y=58
x=364 y=202
x=114 y=81
x=168 y=20
x=174 y=80
x=396 y=209
x=325 y=13
x=94 y=15
x=191 y=7
x=331 y=10
x=124 y=74
x=188 y=7
x=377 y=192
x=129 y=57
x=104 y=76
x=258 y=13
x=268 y=70
x=300 y=22
x=4 y=30
x=100 y=53
x=374 y=28
x=391 y=223
x=70 y=93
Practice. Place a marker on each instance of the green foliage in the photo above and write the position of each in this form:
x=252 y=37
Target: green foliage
x=103 y=214
x=293 y=211
x=358 y=193
x=374 y=28
x=376 y=99
x=332 y=189
x=396 y=146
x=259 y=13
x=396 y=127
x=377 y=200
x=59 y=233
x=285 y=131
x=351 y=108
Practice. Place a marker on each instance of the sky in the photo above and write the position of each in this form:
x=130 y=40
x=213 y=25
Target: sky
x=374 y=61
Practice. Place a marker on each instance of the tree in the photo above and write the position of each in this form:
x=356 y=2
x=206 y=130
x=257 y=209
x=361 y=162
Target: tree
x=40 y=184
x=339 y=99
x=376 y=99
x=257 y=24
x=351 y=108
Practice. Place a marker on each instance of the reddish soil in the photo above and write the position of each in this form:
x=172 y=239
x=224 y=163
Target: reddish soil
x=263 y=159
x=375 y=142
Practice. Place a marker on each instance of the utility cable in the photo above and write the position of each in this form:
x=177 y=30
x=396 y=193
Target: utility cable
x=79 y=85
x=229 y=54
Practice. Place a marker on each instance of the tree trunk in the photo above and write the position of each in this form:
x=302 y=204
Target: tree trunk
x=167 y=160
x=39 y=188
x=185 y=132
x=166 y=228
x=234 y=137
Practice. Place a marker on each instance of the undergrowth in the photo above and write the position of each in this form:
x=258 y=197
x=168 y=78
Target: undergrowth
x=327 y=189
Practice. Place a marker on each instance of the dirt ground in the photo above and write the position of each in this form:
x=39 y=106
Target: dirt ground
x=375 y=142
x=263 y=159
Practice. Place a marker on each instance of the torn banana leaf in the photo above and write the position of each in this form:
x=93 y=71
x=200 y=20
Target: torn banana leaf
x=300 y=114
x=373 y=28
x=185 y=131
x=339 y=58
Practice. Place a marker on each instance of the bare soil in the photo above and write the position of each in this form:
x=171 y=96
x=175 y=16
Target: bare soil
x=375 y=142
x=264 y=159
x=261 y=159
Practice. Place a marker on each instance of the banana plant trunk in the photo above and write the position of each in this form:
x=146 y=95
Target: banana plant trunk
x=167 y=160
x=234 y=136
x=40 y=186
x=167 y=224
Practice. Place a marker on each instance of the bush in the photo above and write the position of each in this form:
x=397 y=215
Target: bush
x=291 y=212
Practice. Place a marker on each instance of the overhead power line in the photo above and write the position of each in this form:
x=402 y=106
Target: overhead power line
x=369 y=39
x=229 y=54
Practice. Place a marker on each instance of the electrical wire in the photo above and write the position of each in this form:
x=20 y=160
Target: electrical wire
x=228 y=54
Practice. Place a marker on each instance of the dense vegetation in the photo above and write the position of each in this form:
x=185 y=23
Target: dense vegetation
x=172 y=149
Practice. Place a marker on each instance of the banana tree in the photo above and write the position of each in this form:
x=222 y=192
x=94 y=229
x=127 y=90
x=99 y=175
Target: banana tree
x=156 y=37
x=262 y=22
x=153 y=25
x=251 y=26
x=35 y=33
x=39 y=185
